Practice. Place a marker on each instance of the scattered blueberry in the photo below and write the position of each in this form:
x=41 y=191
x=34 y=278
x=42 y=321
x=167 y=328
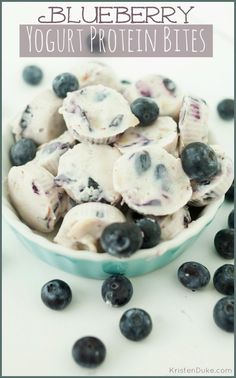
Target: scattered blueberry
x=193 y=275
x=224 y=243
x=223 y=279
x=145 y=109
x=151 y=232
x=223 y=313
x=64 y=83
x=229 y=195
x=199 y=161
x=231 y=219
x=89 y=352
x=117 y=290
x=56 y=294
x=22 y=151
x=32 y=75
x=135 y=324
x=121 y=239
x=225 y=109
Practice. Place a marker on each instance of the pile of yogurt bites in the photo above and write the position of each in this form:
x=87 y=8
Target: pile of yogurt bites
x=121 y=164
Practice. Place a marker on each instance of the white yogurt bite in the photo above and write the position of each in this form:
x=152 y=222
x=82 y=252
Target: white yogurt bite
x=161 y=89
x=40 y=120
x=163 y=133
x=83 y=225
x=97 y=114
x=193 y=121
x=171 y=225
x=208 y=191
x=48 y=154
x=85 y=173
x=152 y=181
x=94 y=72
x=33 y=194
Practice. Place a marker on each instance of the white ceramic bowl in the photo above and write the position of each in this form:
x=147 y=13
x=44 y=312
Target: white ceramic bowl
x=94 y=265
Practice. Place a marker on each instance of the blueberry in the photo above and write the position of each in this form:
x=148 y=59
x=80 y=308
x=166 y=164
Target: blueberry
x=199 y=161
x=145 y=109
x=229 y=195
x=142 y=162
x=151 y=232
x=22 y=151
x=223 y=279
x=64 y=83
x=223 y=313
x=135 y=324
x=225 y=109
x=117 y=290
x=193 y=275
x=231 y=219
x=121 y=239
x=56 y=294
x=89 y=352
x=224 y=243
x=32 y=75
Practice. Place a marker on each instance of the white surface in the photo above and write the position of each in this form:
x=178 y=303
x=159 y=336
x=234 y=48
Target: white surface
x=37 y=341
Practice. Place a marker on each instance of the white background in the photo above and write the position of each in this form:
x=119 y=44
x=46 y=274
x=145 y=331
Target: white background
x=37 y=341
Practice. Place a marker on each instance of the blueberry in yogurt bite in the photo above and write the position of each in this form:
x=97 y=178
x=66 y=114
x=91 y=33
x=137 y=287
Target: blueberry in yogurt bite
x=22 y=151
x=89 y=352
x=32 y=75
x=223 y=279
x=199 y=161
x=224 y=243
x=225 y=109
x=145 y=109
x=121 y=239
x=56 y=294
x=223 y=313
x=231 y=219
x=135 y=324
x=64 y=83
x=193 y=275
x=117 y=290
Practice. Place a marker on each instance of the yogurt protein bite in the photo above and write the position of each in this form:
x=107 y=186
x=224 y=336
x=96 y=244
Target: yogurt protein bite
x=38 y=201
x=85 y=173
x=163 y=133
x=40 y=121
x=84 y=224
x=161 y=89
x=152 y=181
x=97 y=114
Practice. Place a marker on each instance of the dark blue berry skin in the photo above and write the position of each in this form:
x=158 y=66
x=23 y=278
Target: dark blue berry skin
x=22 y=151
x=135 y=324
x=193 y=275
x=231 y=219
x=64 y=83
x=89 y=352
x=229 y=195
x=199 y=161
x=117 y=290
x=32 y=75
x=224 y=243
x=56 y=294
x=225 y=109
x=121 y=239
x=145 y=109
x=151 y=232
x=223 y=313
x=223 y=279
